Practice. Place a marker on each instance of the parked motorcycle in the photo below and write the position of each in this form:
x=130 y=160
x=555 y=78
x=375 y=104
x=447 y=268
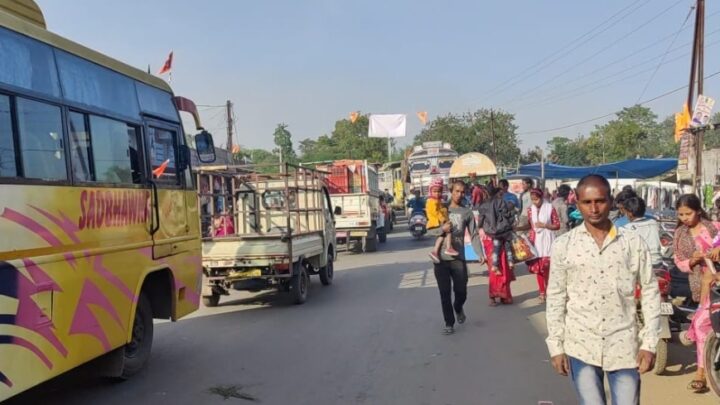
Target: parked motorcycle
x=666 y=310
x=417 y=225
x=712 y=344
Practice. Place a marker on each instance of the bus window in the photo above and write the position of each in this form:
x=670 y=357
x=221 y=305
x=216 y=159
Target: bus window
x=106 y=152
x=115 y=151
x=163 y=149
x=27 y=64
x=41 y=140
x=156 y=102
x=87 y=83
x=8 y=167
x=80 y=147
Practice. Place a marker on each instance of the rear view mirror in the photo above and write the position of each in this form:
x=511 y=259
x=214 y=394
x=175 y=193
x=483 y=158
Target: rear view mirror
x=338 y=211
x=205 y=147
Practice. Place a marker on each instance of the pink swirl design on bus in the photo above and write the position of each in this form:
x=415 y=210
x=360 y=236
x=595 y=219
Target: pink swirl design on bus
x=34 y=227
x=84 y=321
x=18 y=341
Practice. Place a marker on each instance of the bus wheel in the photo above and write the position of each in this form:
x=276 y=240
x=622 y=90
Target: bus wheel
x=137 y=351
x=212 y=300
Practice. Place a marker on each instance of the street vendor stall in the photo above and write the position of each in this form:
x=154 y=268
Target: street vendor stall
x=472 y=165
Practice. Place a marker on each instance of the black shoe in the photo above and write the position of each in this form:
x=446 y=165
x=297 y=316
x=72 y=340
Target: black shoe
x=448 y=330
x=461 y=318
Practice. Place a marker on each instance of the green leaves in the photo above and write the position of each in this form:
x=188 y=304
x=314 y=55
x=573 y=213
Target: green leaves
x=347 y=141
x=472 y=132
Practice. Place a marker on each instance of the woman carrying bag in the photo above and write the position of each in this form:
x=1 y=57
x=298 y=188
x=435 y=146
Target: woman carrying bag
x=544 y=223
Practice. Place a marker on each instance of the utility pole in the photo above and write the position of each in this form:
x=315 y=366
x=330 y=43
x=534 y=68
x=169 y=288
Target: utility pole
x=228 y=106
x=492 y=132
x=696 y=74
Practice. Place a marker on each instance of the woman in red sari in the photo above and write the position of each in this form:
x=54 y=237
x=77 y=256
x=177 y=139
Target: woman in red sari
x=499 y=283
x=544 y=222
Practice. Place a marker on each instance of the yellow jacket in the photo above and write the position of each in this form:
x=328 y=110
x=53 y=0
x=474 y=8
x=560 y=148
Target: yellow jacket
x=436 y=212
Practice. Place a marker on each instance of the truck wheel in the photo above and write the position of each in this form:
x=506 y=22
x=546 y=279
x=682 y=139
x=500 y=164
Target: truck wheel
x=137 y=351
x=212 y=300
x=326 y=273
x=299 y=285
x=661 y=357
x=371 y=243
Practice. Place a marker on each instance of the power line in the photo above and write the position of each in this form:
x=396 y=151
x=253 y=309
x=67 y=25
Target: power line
x=617 y=41
x=652 y=76
x=613 y=113
x=540 y=63
x=636 y=52
x=574 y=92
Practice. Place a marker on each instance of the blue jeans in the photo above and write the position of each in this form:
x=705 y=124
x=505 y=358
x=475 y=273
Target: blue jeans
x=590 y=384
x=498 y=244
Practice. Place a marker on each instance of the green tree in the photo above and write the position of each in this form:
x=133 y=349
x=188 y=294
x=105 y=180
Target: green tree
x=347 y=141
x=283 y=140
x=566 y=151
x=472 y=132
x=634 y=133
x=533 y=155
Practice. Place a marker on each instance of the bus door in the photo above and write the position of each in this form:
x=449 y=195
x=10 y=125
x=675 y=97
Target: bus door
x=168 y=205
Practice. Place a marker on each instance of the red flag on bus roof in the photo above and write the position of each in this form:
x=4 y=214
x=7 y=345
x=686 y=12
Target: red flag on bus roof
x=168 y=65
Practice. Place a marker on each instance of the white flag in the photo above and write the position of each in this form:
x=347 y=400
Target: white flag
x=387 y=125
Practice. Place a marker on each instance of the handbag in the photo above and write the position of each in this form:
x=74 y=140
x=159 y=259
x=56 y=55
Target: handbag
x=522 y=249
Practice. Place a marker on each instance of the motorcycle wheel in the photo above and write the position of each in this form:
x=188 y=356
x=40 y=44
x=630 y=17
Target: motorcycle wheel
x=712 y=362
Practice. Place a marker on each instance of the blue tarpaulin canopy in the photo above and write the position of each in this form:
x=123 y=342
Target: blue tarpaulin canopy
x=626 y=169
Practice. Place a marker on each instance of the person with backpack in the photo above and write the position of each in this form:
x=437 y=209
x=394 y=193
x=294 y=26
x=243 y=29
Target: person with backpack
x=496 y=221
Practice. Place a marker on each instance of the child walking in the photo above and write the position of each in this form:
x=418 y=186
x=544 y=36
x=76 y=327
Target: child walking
x=437 y=215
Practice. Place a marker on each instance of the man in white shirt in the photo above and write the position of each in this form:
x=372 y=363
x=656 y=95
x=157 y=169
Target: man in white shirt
x=592 y=326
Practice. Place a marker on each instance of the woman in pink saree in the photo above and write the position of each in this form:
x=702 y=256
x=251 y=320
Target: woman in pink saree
x=694 y=240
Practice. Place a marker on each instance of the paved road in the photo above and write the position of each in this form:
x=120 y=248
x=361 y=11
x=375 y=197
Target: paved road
x=374 y=337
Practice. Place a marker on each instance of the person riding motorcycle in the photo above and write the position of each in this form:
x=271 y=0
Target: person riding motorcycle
x=416 y=203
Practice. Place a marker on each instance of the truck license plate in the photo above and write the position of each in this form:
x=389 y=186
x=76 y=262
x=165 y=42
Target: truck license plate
x=358 y=233
x=666 y=308
x=247 y=274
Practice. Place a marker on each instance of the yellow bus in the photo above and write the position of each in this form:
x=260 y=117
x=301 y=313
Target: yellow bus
x=98 y=213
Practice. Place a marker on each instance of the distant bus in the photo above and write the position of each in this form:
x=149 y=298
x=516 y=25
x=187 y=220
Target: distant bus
x=98 y=213
x=427 y=161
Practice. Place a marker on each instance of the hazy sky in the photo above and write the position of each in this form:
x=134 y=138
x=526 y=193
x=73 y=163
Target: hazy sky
x=308 y=63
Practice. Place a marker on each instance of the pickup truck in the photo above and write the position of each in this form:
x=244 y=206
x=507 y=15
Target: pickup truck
x=355 y=194
x=265 y=230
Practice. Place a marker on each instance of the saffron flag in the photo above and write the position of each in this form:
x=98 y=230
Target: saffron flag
x=387 y=125
x=160 y=170
x=168 y=65
x=422 y=116
x=354 y=116
x=682 y=122
x=235 y=149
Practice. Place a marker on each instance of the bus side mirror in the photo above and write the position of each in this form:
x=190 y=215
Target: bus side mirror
x=205 y=147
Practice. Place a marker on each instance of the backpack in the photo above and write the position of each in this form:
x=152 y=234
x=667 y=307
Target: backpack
x=496 y=218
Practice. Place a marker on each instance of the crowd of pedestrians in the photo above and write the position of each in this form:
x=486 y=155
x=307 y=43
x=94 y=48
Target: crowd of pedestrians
x=590 y=251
